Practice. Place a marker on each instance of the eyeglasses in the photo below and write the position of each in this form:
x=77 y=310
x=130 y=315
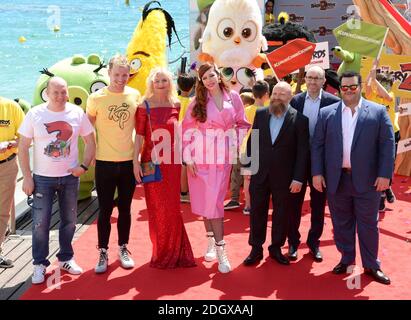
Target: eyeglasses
x=313 y=78
x=352 y=87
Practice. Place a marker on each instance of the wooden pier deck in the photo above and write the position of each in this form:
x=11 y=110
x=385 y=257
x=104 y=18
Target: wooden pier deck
x=14 y=281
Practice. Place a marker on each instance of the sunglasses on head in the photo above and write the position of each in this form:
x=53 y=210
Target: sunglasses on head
x=352 y=87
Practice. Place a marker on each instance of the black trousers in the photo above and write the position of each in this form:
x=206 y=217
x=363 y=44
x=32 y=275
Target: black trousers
x=317 y=204
x=109 y=176
x=260 y=193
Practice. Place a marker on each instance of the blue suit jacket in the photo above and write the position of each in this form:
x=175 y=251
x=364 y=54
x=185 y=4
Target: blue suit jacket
x=298 y=101
x=372 y=150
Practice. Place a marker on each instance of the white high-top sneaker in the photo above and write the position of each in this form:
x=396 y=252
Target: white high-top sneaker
x=223 y=263
x=210 y=255
x=102 y=263
x=125 y=259
x=39 y=273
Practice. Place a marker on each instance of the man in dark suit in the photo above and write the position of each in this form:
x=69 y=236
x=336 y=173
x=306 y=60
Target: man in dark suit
x=309 y=104
x=352 y=154
x=283 y=144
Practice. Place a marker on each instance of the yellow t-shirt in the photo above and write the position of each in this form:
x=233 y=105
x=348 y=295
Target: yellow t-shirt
x=250 y=112
x=115 y=122
x=11 y=117
x=389 y=105
x=294 y=87
x=184 y=102
x=269 y=18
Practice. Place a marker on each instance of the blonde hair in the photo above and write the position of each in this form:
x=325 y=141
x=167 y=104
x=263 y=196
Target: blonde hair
x=118 y=60
x=247 y=98
x=172 y=93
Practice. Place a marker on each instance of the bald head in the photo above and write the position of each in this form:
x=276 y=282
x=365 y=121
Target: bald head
x=284 y=86
x=280 y=97
x=56 y=81
x=57 y=93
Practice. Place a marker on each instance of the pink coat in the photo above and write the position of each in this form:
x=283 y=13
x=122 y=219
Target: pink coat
x=212 y=156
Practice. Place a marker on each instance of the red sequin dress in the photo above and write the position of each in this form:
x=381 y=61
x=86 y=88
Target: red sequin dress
x=171 y=247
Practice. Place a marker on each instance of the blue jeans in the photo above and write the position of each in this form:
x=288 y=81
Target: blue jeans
x=44 y=190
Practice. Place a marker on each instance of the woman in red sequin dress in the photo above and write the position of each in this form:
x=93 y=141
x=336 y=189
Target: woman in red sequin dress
x=171 y=247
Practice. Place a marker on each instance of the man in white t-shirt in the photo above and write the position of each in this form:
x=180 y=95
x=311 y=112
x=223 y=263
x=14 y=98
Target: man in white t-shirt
x=54 y=128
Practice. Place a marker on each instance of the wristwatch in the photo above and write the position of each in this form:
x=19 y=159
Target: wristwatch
x=84 y=167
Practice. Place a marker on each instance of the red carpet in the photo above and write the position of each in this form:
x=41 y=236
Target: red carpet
x=304 y=279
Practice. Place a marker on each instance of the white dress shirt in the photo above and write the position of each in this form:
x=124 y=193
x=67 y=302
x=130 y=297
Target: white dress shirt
x=349 y=122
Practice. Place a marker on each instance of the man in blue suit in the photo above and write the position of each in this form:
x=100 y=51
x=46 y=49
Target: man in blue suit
x=309 y=104
x=352 y=154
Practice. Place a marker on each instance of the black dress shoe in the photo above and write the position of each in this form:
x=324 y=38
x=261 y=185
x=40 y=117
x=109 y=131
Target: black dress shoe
x=253 y=258
x=279 y=257
x=316 y=254
x=292 y=253
x=378 y=275
x=340 y=268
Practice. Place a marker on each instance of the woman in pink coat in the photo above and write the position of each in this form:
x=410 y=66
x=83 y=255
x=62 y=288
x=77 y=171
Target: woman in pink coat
x=211 y=129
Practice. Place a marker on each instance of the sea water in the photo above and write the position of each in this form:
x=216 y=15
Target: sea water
x=104 y=27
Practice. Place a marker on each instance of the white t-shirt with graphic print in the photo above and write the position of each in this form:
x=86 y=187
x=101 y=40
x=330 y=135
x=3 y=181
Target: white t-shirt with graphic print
x=55 y=138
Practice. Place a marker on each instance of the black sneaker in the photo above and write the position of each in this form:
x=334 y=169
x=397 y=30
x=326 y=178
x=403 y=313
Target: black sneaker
x=232 y=205
x=390 y=195
x=382 y=204
x=5 y=263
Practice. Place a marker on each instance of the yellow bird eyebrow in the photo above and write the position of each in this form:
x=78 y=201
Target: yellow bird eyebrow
x=142 y=53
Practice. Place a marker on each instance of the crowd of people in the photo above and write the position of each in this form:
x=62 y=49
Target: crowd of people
x=204 y=140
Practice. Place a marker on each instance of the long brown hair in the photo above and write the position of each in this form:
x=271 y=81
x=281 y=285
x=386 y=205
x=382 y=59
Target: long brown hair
x=200 y=108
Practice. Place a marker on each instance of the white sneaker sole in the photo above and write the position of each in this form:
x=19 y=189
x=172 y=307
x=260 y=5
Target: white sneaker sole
x=37 y=282
x=224 y=270
x=100 y=271
x=72 y=271
x=210 y=258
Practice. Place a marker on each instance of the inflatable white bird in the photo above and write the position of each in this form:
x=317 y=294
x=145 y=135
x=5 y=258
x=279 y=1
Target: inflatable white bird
x=233 y=34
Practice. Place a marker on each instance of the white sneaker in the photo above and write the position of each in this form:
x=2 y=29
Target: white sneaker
x=70 y=266
x=38 y=274
x=210 y=254
x=126 y=261
x=102 y=263
x=223 y=263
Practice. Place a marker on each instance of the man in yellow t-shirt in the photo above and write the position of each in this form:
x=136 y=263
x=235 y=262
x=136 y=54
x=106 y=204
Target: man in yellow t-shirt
x=11 y=117
x=378 y=90
x=112 y=110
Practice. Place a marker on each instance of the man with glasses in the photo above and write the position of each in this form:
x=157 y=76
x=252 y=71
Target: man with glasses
x=310 y=103
x=352 y=155
x=11 y=116
x=54 y=128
